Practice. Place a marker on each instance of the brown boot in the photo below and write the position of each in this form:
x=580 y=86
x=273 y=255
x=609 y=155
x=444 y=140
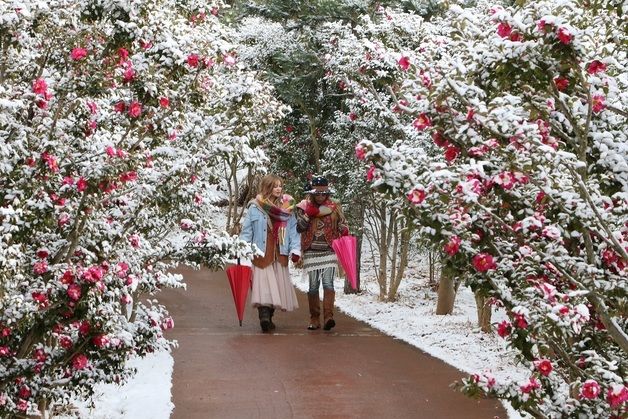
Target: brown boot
x=315 y=311
x=328 y=308
x=264 y=318
x=272 y=313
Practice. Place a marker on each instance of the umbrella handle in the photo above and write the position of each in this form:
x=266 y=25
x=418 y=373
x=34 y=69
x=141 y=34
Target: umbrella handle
x=238 y=261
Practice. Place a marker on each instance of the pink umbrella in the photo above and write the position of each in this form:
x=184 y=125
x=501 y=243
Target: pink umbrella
x=240 y=282
x=345 y=248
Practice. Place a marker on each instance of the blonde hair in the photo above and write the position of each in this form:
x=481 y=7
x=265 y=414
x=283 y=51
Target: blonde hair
x=266 y=186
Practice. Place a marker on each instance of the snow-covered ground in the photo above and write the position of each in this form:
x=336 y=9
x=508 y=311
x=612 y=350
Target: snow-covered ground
x=146 y=396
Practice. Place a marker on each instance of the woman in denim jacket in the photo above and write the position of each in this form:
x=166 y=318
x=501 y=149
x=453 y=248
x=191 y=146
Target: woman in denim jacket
x=271 y=225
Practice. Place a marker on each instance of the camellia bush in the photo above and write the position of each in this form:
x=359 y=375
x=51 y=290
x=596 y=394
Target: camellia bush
x=528 y=199
x=115 y=117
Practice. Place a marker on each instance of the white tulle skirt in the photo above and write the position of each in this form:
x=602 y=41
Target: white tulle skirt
x=272 y=287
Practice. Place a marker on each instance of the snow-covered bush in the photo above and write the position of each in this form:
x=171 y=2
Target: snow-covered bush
x=114 y=118
x=529 y=197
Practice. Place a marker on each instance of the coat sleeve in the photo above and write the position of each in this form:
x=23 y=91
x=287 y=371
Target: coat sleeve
x=303 y=221
x=247 y=227
x=294 y=236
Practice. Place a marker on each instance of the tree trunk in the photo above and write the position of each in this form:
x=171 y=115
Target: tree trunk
x=485 y=312
x=383 y=255
x=446 y=293
x=395 y=280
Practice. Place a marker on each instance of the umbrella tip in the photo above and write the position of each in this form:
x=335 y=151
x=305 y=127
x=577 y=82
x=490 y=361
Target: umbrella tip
x=240 y=323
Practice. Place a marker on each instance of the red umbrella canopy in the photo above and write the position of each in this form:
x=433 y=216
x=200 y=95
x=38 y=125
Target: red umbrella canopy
x=240 y=282
x=345 y=248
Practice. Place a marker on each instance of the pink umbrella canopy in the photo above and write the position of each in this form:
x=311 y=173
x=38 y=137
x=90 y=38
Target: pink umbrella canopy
x=240 y=282
x=345 y=248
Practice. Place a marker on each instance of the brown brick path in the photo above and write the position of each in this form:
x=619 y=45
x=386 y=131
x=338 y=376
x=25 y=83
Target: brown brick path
x=222 y=370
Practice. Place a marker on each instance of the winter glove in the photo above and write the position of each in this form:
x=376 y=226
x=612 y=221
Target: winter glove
x=295 y=258
x=311 y=211
x=344 y=231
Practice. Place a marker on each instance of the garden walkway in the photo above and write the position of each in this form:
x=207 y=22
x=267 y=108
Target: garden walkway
x=222 y=370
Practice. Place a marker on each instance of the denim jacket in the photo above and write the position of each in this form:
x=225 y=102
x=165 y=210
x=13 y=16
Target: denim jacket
x=255 y=227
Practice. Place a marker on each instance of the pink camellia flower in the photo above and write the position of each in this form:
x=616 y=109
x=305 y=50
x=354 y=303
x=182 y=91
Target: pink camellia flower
x=440 y=140
x=74 y=292
x=590 y=390
x=617 y=395
x=123 y=53
x=93 y=107
x=504 y=30
x=167 y=323
x=596 y=66
x=545 y=26
x=421 y=122
x=78 y=54
x=544 y=366
x=4 y=351
x=129 y=75
x=530 y=386
x=65 y=342
x=360 y=152
x=40 y=355
x=164 y=102
x=451 y=153
x=520 y=321
x=42 y=253
x=478 y=151
x=229 y=60
x=505 y=179
x=598 y=103
x=63 y=219
x=564 y=36
x=84 y=328
x=100 y=341
x=126 y=299
x=561 y=83
x=40 y=267
x=516 y=37
x=93 y=274
x=404 y=63
x=134 y=240
x=353 y=116
x=79 y=362
x=504 y=328
x=122 y=269
x=452 y=246
x=483 y=262
x=67 y=278
x=416 y=196
x=111 y=151
x=40 y=298
x=130 y=176
x=193 y=60
x=370 y=174
x=24 y=392
x=135 y=109
x=119 y=107
x=40 y=87
x=81 y=184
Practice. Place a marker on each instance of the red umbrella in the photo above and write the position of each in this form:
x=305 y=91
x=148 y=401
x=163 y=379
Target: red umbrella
x=240 y=282
x=345 y=248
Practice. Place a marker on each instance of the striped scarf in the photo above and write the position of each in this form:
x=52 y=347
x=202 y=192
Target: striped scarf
x=279 y=215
